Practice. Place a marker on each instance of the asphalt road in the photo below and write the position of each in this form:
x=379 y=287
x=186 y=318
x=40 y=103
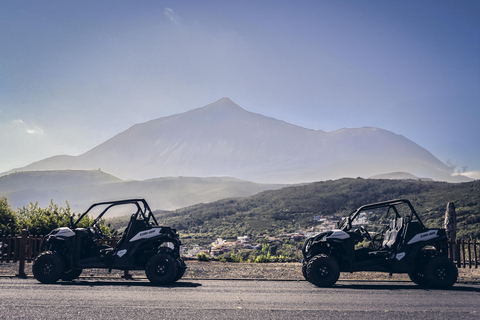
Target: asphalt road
x=213 y=299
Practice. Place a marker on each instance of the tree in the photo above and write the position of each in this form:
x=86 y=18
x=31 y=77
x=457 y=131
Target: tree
x=40 y=221
x=7 y=217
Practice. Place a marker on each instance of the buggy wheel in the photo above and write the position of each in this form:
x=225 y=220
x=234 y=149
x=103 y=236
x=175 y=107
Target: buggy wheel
x=304 y=270
x=47 y=267
x=440 y=272
x=181 y=268
x=418 y=278
x=71 y=274
x=322 y=271
x=161 y=269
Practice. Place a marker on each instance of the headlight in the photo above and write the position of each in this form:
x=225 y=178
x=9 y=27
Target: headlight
x=308 y=245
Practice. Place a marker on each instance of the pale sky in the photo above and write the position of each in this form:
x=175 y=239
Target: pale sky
x=75 y=73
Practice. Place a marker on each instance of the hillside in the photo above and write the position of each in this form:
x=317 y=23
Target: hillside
x=293 y=208
x=223 y=139
x=81 y=188
x=53 y=179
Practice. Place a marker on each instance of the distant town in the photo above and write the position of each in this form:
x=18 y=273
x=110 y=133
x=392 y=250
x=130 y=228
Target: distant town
x=221 y=246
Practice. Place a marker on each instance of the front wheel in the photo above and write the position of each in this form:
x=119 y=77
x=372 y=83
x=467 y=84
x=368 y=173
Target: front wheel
x=440 y=272
x=181 y=268
x=161 y=269
x=48 y=267
x=322 y=271
x=304 y=270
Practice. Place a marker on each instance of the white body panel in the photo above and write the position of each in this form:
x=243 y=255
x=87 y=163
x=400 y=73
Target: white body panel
x=146 y=234
x=400 y=256
x=424 y=236
x=121 y=252
x=338 y=234
x=64 y=232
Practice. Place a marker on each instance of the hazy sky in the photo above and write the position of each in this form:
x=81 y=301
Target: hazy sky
x=75 y=73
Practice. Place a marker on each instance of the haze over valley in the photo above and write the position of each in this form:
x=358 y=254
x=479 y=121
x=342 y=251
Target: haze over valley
x=215 y=152
x=81 y=188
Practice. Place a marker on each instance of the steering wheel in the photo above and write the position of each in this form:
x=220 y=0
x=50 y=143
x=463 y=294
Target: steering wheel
x=365 y=233
x=376 y=242
x=98 y=231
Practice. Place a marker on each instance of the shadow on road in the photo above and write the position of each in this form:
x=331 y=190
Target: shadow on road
x=372 y=286
x=99 y=283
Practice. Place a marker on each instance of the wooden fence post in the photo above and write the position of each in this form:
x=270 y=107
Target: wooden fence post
x=469 y=255
x=22 y=255
x=451 y=227
x=457 y=252
x=475 y=252
x=9 y=248
x=2 y=248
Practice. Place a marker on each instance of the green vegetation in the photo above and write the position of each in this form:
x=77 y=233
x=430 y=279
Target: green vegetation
x=270 y=252
x=202 y=256
x=40 y=221
x=8 y=219
x=293 y=208
x=281 y=211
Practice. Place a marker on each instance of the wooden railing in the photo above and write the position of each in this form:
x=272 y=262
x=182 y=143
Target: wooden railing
x=464 y=253
x=24 y=248
x=19 y=247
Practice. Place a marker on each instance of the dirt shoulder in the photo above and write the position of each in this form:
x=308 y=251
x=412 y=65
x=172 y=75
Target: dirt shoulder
x=256 y=271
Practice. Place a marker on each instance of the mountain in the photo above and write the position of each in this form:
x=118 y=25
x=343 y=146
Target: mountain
x=222 y=139
x=83 y=188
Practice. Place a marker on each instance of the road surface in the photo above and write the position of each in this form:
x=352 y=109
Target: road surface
x=214 y=299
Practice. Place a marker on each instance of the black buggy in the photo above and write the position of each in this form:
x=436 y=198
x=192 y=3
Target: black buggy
x=144 y=245
x=404 y=245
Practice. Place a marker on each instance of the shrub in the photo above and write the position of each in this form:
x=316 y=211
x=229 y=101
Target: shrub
x=236 y=257
x=202 y=256
x=263 y=258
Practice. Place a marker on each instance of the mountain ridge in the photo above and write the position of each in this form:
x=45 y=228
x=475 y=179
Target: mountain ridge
x=223 y=139
x=81 y=188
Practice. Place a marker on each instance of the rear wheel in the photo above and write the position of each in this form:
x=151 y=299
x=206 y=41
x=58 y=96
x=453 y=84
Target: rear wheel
x=440 y=272
x=48 y=267
x=71 y=274
x=322 y=271
x=418 y=278
x=161 y=269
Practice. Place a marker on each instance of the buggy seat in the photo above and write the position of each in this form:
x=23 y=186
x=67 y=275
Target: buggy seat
x=134 y=226
x=391 y=237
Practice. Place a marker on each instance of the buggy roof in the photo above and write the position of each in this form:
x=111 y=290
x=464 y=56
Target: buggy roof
x=390 y=204
x=143 y=209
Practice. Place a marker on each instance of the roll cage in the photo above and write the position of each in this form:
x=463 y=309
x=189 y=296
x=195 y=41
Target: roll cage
x=346 y=224
x=143 y=210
